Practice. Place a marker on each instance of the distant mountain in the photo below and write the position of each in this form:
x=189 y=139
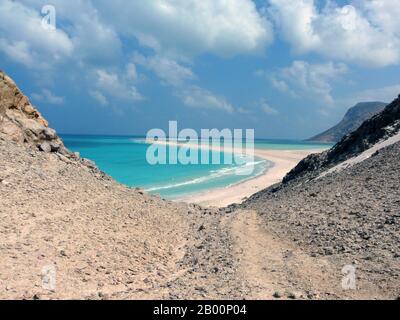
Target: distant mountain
x=351 y=121
x=377 y=128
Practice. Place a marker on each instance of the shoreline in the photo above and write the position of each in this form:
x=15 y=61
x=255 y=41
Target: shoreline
x=282 y=162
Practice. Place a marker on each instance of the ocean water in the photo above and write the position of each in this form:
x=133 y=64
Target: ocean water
x=124 y=158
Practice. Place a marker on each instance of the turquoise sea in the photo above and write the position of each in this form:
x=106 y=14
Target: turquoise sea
x=124 y=158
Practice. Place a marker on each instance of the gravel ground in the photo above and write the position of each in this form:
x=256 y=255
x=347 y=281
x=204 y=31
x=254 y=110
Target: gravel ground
x=68 y=231
x=350 y=217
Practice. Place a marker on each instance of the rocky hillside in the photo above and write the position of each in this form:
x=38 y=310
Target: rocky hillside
x=21 y=122
x=68 y=231
x=354 y=117
x=349 y=218
x=62 y=219
x=378 y=128
x=344 y=204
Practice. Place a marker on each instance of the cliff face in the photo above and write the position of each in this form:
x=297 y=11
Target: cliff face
x=21 y=122
x=351 y=121
x=373 y=130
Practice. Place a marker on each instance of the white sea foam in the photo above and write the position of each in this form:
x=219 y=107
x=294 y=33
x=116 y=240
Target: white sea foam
x=216 y=174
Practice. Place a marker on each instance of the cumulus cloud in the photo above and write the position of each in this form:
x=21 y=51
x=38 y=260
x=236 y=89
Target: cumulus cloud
x=111 y=84
x=99 y=97
x=191 y=27
x=306 y=80
x=196 y=97
x=94 y=40
x=383 y=13
x=366 y=32
x=90 y=34
x=279 y=84
x=168 y=70
x=384 y=94
x=256 y=109
x=24 y=40
x=180 y=78
x=179 y=28
x=47 y=96
x=267 y=109
x=131 y=71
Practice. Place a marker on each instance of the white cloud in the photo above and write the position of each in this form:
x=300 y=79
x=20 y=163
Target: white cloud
x=136 y=96
x=254 y=111
x=168 y=70
x=384 y=94
x=196 y=97
x=281 y=85
x=294 y=19
x=267 y=109
x=111 y=84
x=366 y=32
x=94 y=41
x=191 y=27
x=311 y=81
x=18 y=51
x=174 y=28
x=131 y=71
x=24 y=40
x=99 y=97
x=180 y=77
x=47 y=96
x=88 y=38
x=383 y=13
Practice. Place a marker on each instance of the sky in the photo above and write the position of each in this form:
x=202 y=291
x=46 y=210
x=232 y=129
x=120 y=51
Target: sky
x=287 y=68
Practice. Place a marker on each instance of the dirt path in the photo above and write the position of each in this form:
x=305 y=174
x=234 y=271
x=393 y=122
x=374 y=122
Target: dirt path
x=274 y=268
x=234 y=256
x=109 y=242
x=271 y=266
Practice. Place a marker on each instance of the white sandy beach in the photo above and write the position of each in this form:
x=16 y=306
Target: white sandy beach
x=282 y=162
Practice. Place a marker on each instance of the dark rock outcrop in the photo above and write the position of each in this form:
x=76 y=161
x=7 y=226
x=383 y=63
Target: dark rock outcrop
x=351 y=121
x=379 y=127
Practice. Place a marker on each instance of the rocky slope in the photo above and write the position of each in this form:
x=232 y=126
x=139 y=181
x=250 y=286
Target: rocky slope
x=59 y=212
x=22 y=122
x=106 y=241
x=349 y=216
x=378 y=128
x=68 y=231
x=354 y=117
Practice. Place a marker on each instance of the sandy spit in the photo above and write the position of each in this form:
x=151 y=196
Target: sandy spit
x=282 y=162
